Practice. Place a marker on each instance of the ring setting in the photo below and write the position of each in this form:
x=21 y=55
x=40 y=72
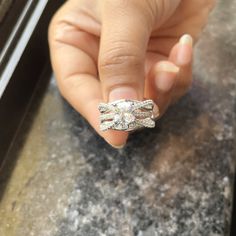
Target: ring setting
x=127 y=115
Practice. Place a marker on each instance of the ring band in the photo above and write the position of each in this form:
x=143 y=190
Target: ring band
x=127 y=115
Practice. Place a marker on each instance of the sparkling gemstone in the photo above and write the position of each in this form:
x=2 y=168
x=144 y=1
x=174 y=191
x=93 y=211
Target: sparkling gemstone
x=124 y=106
x=124 y=116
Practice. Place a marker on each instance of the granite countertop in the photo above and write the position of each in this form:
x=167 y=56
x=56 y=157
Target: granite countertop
x=61 y=179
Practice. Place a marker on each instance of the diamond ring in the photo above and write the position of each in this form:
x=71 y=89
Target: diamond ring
x=127 y=115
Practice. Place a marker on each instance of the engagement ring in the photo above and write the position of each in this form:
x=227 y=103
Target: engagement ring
x=127 y=115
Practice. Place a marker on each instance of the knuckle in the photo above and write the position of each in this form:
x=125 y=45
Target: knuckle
x=50 y=31
x=119 y=60
x=54 y=31
x=58 y=29
x=71 y=83
x=53 y=26
x=61 y=87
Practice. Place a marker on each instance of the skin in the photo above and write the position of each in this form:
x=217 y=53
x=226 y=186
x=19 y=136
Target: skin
x=105 y=50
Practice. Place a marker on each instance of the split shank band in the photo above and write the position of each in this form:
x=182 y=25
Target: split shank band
x=127 y=115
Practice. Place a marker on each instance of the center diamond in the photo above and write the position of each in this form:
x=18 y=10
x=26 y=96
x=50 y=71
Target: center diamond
x=123 y=115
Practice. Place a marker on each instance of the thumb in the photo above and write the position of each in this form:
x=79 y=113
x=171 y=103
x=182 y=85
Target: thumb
x=124 y=37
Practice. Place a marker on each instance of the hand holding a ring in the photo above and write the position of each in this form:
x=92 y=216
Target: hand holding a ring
x=103 y=51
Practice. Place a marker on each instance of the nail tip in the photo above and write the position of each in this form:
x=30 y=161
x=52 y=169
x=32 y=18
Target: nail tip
x=186 y=39
x=123 y=93
x=167 y=67
x=118 y=147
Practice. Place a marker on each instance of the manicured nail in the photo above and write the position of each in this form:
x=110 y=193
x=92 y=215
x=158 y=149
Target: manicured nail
x=166 y=76
x=186 y=39
x=123 y=93
x=118 y=147
x=167 y=67
x=184 y=56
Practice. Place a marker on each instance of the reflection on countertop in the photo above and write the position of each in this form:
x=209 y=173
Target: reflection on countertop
x=175 y=179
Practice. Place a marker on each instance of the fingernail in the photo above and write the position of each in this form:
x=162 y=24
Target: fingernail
x=184 y=56
x=167 y=67
x=166 y=76
x=123 y=93
x=186 y=39
x=118 y=147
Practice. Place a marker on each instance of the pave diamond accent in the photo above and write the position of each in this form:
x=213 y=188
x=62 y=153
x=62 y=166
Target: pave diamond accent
x=126 y=115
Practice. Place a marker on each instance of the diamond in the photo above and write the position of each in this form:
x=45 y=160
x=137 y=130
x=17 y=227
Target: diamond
x=125 y=106
x=123 y=115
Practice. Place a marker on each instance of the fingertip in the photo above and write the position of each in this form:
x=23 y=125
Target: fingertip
x=165 y=73
x=182 y=52
x=186 y=39
x=161 y=81
x=167 y=66
x=185 y=50
x=117 y=139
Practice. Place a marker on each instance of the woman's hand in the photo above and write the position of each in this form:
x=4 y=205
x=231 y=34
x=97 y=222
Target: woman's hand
x=105 y=50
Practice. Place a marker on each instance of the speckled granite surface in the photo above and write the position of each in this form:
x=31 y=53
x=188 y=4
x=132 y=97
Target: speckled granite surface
x=175 y=180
